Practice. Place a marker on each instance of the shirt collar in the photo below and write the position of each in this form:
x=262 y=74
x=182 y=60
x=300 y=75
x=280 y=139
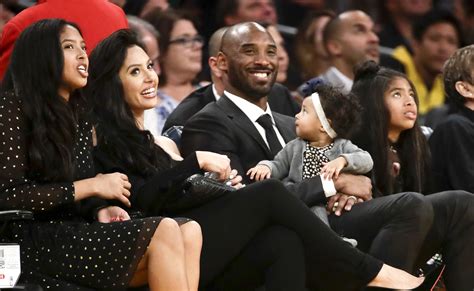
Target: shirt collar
x=345 y=81
x=214 y=91
x=252 y=111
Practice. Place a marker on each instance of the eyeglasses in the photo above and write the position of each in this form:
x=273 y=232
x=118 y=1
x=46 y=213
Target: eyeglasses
x=188 y=42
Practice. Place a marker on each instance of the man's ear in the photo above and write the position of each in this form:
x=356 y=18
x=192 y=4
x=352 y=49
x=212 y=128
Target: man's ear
x=334 y=47
x=465 y=89
x=221 y=62
x=212 y=61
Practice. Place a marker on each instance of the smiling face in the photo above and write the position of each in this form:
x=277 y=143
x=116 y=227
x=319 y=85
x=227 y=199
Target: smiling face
x=74 y=75
x=399 y=100
x=139 y=81
x=250 y=60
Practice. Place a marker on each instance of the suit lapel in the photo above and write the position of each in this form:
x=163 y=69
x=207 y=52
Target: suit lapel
x=243 y=122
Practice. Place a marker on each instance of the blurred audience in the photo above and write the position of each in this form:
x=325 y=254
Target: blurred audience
x=310 y=53
x=436 y=36
x=143 y=7
x=283 y=59
x=180 y=62
x=396 y=17
x=230 y=12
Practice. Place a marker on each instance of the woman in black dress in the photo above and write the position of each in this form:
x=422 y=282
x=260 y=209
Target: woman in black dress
x=391 y=134
x=121 y=87
x=47 y=168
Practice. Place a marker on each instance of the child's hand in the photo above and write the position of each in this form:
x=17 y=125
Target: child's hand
x=260 y=172
x=332 y=169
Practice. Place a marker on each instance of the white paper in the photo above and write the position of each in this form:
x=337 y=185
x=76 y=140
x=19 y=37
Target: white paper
x=10 y=268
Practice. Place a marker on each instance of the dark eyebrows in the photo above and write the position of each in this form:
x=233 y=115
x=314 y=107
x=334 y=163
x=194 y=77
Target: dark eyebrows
x=149 y=61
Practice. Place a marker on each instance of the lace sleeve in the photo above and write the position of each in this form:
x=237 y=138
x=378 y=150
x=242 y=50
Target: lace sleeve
x=16 y=190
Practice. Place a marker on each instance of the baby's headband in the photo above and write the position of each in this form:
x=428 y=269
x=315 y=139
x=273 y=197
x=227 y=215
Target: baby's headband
x=322 y=117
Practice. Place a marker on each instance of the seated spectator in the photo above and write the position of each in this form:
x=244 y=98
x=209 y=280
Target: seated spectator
x=311 y=55
x=97 y=19
x=326 y=120
x=46 y=157
x=349 y=39
x=396 y=19
x=234 y=242
x=141 y=8
x=230 y=12
x=391 y=134
x=453 y=140
x=437 y=34
x=180 y=63
x=235 y=126
x=279 y=97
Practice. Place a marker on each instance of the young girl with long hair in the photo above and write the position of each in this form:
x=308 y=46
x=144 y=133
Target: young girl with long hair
x=122 y=85
x=47 y=168
x=391 y=134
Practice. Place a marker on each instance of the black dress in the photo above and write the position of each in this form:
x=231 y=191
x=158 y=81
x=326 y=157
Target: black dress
x=60 y=249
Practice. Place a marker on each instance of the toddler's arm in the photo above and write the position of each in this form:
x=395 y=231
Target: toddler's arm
x=259 y=172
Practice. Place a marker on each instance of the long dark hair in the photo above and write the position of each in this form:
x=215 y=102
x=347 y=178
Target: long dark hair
x=116 y=127
x=370 y=84
x=34 y=76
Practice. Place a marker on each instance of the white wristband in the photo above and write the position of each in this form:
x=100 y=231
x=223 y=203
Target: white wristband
x=328 y=187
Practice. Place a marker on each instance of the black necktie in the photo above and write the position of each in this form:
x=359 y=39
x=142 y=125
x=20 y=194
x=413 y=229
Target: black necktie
x=266 y=122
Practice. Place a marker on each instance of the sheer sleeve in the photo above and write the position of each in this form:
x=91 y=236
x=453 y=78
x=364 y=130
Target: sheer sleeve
x=16 y=190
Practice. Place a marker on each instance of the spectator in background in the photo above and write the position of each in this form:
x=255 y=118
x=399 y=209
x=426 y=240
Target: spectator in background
x=349 y=39
x=96 y=18
x=452 y=142
x=149 y=37
x=181 y=54
x=230 y=12
x=141 y=8
x=310 y=53
x=396 y=17
x=437 y=35
x=283 y=59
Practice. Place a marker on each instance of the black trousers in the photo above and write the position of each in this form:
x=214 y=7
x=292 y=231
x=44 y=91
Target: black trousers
x=452 y=233
x=383 y=229
x=230 y=223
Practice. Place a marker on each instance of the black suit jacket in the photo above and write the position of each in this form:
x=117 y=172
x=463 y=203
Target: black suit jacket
x=223 y=128
x=279 y=98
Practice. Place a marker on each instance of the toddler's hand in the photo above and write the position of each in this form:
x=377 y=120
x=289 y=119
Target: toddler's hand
x=259 y=172
x=332 y=169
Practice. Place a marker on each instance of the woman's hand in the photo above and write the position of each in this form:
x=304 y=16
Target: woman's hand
x=112 y=214
x=215 y=163
x=235 y=180
x=113 y=186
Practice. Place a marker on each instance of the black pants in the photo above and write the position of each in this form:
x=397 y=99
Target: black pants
x=452 y=233
x=230 y=223
x=383 y=229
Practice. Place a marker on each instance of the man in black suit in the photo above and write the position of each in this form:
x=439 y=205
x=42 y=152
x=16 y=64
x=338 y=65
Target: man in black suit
x=229 y=126
x=279 y=98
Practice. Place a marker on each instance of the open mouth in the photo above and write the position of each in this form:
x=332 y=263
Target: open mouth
x=82 y=69
x=261 y=75
x=149 y=92
x=410 y=115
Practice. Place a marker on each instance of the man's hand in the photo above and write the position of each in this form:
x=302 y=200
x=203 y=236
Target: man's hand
x=354 y=185
x=340 y=202
x=112 y=214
